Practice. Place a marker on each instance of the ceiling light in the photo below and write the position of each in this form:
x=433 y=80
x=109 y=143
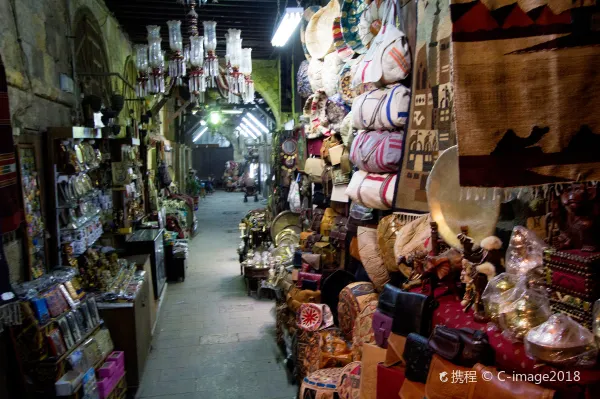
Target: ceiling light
x=251 y=128
x=258 y=123
x=215 y=118
x=197 y=137
x=248 y=131
x=232 y=111
x=202 y=122
x=287 y=26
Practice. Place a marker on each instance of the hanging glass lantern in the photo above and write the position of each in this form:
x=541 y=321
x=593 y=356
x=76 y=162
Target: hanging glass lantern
x=246 y=69
x=235 y=79
x=155 y=60
x=211 y=62
x=141 y=63
x=197 y=79
x=177 y=59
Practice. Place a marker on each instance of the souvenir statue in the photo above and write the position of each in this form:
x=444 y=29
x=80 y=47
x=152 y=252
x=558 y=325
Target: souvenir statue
x=444 y=268
x=575 y=219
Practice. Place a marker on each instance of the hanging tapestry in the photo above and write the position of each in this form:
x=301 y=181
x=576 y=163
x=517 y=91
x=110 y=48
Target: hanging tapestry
x=10 y=200
x=430 y=128
x=527 y=89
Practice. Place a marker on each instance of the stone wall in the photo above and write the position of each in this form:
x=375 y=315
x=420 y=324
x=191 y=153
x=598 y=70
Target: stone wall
x=35 y=48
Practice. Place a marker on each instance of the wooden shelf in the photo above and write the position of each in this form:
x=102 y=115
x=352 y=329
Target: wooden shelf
x=68 y=352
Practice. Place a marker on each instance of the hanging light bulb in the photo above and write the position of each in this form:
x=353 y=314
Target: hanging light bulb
x=141 y=63
x=155 y=60
x=211 y=62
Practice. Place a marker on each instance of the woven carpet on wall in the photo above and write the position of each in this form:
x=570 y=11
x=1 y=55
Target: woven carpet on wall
x=526 y=80
x=430 y=127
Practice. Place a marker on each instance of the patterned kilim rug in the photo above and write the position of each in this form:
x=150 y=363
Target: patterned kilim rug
x=526 y=80
x=430 y=128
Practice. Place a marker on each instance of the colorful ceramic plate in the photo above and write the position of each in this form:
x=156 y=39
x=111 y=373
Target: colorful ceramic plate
x=351 y=12
x=308 y=13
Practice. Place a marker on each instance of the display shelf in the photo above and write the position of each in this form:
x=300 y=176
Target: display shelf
x=77 y=344
x=76 y=254
x=90 y=219
x=126 y=141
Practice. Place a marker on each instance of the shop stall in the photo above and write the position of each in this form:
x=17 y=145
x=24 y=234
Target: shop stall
x=418 y=267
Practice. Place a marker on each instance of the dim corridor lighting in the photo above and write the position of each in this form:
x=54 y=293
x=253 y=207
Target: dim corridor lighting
x=287 y=26
x=197 y=137
x=251 y=128
x=248 y=131
x=258 y=123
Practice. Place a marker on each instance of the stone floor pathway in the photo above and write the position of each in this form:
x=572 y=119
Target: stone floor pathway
x=212 y=341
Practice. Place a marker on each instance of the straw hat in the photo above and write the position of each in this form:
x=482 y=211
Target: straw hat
x=319 y=32
x=308 y=14
x=371 y=21
x=350 y=18
x=344 y=51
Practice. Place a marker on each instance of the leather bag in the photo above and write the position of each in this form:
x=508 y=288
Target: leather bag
x=338 y=177
x=339 y=231
x=381 y=109
x=313 y=167
x=328 y=221
x=417 y=357
x=327 y=253
x=312 y=240
x=508 y=389
x=303 y=276
x=313 y=146
x=313 y=260
x=388 y=299
x=328 y=143
x=389 y=382
x=377 y=151
x=371 y=357
x=372 y=190
x=463 y=346
x=335 y=153
x=382 y=327
x=317 y=217
x=435 y=388
x=413 y=314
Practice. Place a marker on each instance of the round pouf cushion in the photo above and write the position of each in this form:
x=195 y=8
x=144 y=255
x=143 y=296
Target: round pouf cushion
x=353 y=299
x=322 y=384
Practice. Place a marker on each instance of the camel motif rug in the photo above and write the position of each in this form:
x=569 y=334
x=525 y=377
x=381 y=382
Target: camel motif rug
x=526 y=78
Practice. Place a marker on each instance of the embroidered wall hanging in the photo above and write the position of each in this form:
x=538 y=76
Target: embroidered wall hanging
x=527 y=84
x=430 y=130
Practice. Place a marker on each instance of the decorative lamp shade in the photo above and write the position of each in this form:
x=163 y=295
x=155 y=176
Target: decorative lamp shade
x=246 y=67
x=141 y=57
x=163 y=56
x=197 y=50
x=155 y=56
x=175 y=38
x=210 y=35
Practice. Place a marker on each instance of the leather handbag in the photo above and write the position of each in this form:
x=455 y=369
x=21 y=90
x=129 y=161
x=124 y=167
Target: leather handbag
x=389 y=381
x=313 y=167
x=313 y=146
x=317 y=217
x=439 y=388
x=507 y=389
x=327 y=253
x=297 y=261
x=339 y=231
x=335 y=153
x=382 y=327
x=338 y=177
x=369 y=374
x=463 y=346
x=312 y=260
x=328 y=143
x=381 y=109
x=377 y=151
x=327 y=222
x=417 y=357
x=302 y=276
x=413 y=314
x=312 y=240
x=388 y=299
